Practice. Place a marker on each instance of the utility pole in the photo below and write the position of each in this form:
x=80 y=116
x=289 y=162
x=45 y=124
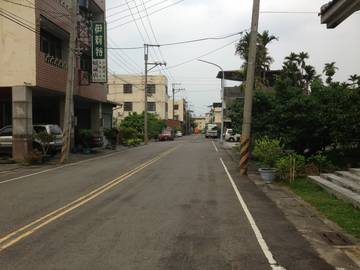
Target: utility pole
x=173 y=97
x=250 y=80
x=68 y=112
x=146 y=58
x=146 y=53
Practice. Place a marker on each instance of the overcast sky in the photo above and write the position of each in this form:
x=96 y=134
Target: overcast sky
x=193 y=19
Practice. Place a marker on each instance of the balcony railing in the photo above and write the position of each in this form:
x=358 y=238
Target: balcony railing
x=55 y=61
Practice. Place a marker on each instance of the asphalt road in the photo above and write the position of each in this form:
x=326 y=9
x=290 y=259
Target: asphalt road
x=164 y=206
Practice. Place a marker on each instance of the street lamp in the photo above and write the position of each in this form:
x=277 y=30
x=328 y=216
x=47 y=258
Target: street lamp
x=222 y=97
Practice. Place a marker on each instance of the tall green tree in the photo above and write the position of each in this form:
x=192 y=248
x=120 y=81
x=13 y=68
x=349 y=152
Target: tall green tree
x=329 y=71
x=355 y=81
x=263 y=58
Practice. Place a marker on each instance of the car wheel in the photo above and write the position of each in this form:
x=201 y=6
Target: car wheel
x=231 y=140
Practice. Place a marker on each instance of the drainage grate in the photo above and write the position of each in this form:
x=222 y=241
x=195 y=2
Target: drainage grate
x=336 y=239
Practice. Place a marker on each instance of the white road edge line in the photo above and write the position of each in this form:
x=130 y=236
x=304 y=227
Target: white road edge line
x=215 y=146
x=66 y=165
x=264 y=247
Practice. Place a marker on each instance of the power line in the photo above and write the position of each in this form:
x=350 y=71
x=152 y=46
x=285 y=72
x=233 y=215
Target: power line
x=183 y=42
x=127 y=16
x=125 y=10
x=156 y=11
x=288 y=12
x=206 y=54
x=154 y=35
x=114 y=7
x=33 y=7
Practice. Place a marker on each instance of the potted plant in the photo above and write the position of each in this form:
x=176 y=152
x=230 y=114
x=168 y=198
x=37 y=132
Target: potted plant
x=267 y=151
x=85 y=136
x=42 y=143
x=111 y=136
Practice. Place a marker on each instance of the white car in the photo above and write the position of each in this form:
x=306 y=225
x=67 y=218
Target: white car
x=178 y=134
x=231 y=136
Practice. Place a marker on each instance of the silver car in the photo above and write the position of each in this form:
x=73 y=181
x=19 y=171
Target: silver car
x=55 y=145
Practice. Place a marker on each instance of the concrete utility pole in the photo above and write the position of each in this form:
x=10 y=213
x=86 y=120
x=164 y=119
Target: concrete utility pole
x=173 y=97
x=146 y=58
x=69 y=95
x=250 y=80
x=222 y=98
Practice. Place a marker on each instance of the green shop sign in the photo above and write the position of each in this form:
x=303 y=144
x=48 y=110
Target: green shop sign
x=98 y=49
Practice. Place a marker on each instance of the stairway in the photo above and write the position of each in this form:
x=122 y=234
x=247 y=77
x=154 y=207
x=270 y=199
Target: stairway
x=343 y=184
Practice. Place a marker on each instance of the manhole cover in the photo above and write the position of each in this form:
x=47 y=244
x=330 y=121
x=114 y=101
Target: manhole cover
x=336 y=239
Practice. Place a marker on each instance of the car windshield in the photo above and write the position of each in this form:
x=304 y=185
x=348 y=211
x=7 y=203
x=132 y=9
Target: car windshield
x=39 y=129
x=55 y=130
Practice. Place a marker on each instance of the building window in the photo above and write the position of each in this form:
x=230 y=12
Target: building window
x=151 y=106
x=151 y=89
x=166 y=107
x=127 y=88
x=176 y=107
x=51 y=45
x=128 y=106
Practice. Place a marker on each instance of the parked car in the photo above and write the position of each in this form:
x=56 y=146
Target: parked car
x=178 y=134
x=54 y=146
x=231 y=136
x=166 y=135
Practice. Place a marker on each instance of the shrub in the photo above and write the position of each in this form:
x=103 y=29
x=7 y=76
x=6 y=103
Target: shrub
x=85 y=136
x=44 y=140
x=290 y=166
x=267 y=151
x=128 y=133
x=132 y=142
x=111 y=135
x=321 y=162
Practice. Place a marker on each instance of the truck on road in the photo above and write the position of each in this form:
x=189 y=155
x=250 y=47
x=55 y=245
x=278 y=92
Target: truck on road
x=212 y=131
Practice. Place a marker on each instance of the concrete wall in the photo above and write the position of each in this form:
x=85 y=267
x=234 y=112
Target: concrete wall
x=17 y=47
x=116 y=94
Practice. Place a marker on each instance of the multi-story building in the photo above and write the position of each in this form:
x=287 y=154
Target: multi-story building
x=33 y=67
x=128 y=92
x=200 y=122
x=179 y=110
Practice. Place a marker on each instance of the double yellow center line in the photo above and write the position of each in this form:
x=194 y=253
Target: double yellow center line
x=25 y=231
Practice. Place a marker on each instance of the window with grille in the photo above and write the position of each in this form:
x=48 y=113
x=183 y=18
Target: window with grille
x=128 y=106
x=176 y=107
x=127 y=88
x=151 y=106
x=151 y=89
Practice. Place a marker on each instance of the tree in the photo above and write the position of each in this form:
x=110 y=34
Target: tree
x=355 y=81
x=329 y=71
x=263 y=58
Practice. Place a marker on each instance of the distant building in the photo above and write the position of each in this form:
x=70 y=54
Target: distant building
x=200 y=122
x=179 y=110
x=128 y=91
x=336 y=11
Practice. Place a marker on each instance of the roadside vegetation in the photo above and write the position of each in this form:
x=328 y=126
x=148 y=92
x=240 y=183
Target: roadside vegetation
x=342 y=213
x=303 y=123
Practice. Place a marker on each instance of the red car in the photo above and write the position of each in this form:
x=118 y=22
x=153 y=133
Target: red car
x=166 y=135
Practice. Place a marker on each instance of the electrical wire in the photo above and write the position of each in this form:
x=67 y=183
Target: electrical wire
x=184 y=42
x=205 y=54
x=125 y=9
x=33 y=7
x=155 y=11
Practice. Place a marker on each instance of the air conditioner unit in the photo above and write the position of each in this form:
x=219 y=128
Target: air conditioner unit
x=84 y=4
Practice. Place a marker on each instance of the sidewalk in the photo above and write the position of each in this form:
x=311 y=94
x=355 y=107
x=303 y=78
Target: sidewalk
x=73 y=157
x=308 y=222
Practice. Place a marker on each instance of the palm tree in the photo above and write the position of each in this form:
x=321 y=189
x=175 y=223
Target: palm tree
x=329 y=71
x=263 y=59
x=354 y=79
x=309 y=76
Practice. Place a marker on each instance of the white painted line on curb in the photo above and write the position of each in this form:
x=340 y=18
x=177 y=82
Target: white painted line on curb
x=264 y=247
x=66 y=165
x=215 y=146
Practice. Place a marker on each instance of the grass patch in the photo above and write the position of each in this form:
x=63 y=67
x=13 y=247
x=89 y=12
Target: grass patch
x=342 y=213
